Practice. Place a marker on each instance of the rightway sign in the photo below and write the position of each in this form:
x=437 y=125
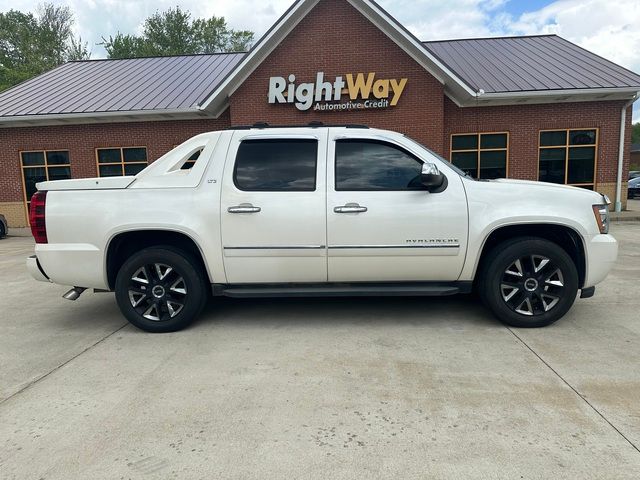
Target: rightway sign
x=363 y=92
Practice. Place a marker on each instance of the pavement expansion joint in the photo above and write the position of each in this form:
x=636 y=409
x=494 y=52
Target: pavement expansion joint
x=574 y=390
x=55 y=369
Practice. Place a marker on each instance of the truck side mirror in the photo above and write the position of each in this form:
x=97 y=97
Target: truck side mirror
x=432 y=178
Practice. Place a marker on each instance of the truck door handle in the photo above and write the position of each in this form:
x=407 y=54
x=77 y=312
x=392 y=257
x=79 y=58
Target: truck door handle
x=244 y=208
x=350 y=208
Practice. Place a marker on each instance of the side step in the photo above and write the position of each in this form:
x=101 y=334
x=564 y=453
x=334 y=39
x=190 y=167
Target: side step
x=429 y=289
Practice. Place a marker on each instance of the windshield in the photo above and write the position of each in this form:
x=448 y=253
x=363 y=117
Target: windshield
x=449 y=164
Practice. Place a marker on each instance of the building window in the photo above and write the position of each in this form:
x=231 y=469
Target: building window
x=191 y=161
x=41 y=166
x=285 y=165
x=568 y=157
x=116 y=162
x=481 y=155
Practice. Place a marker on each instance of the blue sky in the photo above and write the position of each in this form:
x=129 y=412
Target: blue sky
x=610 y=28
x=518 y=7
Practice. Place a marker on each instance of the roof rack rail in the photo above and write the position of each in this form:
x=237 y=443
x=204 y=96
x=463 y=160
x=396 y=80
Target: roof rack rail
x=315 y=124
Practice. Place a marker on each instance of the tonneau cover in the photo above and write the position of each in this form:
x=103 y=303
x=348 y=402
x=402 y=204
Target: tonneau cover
x=103 y=183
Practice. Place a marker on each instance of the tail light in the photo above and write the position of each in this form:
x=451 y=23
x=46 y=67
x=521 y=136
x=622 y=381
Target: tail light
x=37 y=216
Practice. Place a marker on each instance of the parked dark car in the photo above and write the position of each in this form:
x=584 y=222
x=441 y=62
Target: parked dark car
x=634 y=174
x=3 y=226
x=634 y=188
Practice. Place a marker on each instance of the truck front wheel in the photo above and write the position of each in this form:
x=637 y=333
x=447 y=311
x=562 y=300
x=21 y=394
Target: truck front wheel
x=528 y=282
x=160 y=289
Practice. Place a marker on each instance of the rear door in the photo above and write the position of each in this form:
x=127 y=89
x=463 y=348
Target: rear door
x=273 y=207
x=382 y=225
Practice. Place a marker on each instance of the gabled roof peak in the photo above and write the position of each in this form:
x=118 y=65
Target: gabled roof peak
x=397 y=33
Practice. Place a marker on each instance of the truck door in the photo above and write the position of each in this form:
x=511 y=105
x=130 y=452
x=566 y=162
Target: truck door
x=382 y=225
x=273 y=207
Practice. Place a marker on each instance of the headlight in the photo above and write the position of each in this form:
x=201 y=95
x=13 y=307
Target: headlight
x=602 y=217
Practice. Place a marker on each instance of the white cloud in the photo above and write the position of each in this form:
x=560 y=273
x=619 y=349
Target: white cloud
x=437 y=20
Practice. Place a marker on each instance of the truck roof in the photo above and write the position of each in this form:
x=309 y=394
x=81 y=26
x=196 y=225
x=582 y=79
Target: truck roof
x=265 y=125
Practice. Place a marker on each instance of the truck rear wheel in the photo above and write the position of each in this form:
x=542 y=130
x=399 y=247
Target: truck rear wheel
x=528 y=282
x=161 y=290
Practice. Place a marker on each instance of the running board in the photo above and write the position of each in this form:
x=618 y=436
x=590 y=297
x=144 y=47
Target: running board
x=429 y=289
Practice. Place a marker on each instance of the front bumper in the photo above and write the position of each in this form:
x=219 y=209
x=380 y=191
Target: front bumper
x=602 y=253
x=35 y=269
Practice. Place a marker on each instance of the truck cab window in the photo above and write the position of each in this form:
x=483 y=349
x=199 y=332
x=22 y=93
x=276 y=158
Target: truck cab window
x=276 y=165
x=375 y=165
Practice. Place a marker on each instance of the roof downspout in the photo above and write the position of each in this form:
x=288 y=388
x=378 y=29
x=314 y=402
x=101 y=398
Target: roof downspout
x=623 y=124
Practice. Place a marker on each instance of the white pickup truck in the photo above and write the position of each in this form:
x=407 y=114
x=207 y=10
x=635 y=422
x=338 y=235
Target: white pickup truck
x=317 y=211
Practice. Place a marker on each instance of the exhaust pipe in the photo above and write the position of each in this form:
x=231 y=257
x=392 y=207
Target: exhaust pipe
x=74 y=293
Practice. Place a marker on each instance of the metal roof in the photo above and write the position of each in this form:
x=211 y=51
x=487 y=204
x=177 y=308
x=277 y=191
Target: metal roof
x=531 y=63
x=157 y=84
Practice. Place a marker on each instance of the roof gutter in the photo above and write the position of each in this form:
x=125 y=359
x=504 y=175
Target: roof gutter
x=79 y=117
x=623 y=124
x=562 y=92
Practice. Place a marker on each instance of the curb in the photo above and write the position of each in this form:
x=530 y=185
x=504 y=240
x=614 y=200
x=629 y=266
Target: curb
x=19 y=232
x=631 y=218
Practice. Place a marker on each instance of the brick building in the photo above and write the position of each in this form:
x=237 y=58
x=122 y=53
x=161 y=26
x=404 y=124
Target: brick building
x=537 y=108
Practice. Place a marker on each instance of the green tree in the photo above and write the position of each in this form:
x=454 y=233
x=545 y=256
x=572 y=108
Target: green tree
x=78 y=50
x=31 y=44
x=170 y=33
x=124 y=46
x=173 y=32
x=635 y=133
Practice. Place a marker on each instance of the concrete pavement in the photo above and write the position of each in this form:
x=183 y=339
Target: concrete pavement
x=327 y=388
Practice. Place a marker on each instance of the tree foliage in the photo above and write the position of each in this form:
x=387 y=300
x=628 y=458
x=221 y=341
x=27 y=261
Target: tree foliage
x=31 y=44
x=635 y=133
x=173 y=32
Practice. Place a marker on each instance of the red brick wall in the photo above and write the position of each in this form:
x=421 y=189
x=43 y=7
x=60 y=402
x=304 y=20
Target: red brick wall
x=524 y=122
x=82 y=140
x=336 y=39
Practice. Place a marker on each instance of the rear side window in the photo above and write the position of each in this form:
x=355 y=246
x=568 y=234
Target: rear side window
x=373 y=165
x=276 y=165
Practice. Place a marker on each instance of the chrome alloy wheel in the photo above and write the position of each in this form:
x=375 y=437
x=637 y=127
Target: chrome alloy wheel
x=157 y=292
x=532 y=285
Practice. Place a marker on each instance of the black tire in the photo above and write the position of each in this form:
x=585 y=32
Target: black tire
x=3 y=231
x=528 y=282
x=160 y=304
